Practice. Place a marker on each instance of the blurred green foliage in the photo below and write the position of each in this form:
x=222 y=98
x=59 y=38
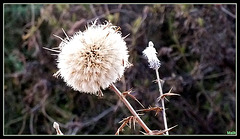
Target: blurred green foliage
x=195 y=43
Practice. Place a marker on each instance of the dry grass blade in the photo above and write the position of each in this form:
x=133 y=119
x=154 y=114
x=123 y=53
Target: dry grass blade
x=167 y=94
x=159 y=132
x=156 y=109
x=133 y=97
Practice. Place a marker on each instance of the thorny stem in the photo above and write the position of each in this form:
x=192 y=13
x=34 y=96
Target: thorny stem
x=128 y=105
x=162 y=100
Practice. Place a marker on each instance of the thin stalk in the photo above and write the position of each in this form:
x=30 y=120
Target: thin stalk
x=162 y=101
x=130 y=108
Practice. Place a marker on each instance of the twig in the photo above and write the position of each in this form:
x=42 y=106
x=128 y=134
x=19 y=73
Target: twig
x=167 y=94
x=33 y=14
x=23 y=124
x=125 y=121
x=228 y=12
x=162 y=100
x=31 y=123
x=93 y=10
x=130 y=108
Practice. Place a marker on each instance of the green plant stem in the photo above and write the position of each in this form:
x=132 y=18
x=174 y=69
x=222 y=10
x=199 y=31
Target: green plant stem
x=162 y=101
x=130 y=108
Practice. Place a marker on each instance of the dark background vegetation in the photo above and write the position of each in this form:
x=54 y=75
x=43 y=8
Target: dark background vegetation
x=195 y=44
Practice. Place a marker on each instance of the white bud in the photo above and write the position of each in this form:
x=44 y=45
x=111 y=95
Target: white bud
x=150 y=52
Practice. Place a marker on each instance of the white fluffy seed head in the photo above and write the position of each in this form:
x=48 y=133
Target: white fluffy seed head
x=150 y=52
x=93 y=59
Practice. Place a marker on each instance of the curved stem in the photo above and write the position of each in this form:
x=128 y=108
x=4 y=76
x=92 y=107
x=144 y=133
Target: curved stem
x=130 y=108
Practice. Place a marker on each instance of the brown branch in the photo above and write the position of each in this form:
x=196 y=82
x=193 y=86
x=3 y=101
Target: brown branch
x=130 y=108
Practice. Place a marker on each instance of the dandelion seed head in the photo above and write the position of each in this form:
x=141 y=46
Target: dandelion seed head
x=151 y=54
x=93 y=59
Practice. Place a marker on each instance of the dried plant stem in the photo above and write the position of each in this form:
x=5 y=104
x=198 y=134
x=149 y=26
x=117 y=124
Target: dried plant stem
x=128 y=105
x=162 y=101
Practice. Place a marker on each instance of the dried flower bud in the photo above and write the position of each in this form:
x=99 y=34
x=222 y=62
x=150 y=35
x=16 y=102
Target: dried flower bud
x=150 y=52
x=93 y=59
